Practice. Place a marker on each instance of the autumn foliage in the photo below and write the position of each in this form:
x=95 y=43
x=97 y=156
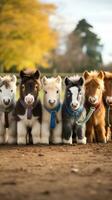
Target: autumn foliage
x=26 y=38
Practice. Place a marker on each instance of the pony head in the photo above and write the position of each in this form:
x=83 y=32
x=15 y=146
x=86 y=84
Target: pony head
x=29 y=86
x=108 y=88
x=7 y=90
x=94 y=87
x=52 y=89
x=74 y=95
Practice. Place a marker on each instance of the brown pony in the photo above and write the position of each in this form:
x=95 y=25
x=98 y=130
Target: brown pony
x=108 y=102
x=94 y=88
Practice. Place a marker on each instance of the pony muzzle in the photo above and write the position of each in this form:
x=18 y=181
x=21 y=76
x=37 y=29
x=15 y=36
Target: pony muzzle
x=6 y=101
x=29 y=99
x=52 y=102
x=93 y=100
x=109 y=100
x=75 y=106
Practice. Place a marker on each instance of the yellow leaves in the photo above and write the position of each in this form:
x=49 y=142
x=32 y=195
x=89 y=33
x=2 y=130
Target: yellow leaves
x=25 y=34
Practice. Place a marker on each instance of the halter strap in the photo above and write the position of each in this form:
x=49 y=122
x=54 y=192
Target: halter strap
x=29 y=108
x=74 y=113
x=53 y=115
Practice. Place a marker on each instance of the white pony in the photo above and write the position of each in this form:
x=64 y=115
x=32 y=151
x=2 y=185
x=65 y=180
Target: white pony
x=7 y=107
x=51 y=129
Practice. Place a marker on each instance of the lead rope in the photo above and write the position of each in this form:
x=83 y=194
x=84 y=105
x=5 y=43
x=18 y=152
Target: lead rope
x=91 y=111
x=108 y=116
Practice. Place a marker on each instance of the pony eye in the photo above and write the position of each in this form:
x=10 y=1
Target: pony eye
x=36 y=87
x=11 y=90
x=57 y=91
x=45 y=92
x=0 y=90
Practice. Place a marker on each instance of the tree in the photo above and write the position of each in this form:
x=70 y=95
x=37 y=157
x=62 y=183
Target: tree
x=26 y=37
x=83 y=50
x=90 y=43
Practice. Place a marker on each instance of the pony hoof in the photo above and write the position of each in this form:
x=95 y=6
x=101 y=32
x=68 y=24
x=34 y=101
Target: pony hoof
x=44 y=141
x=21 y=141
x=67 y=141
x=36 y=140
x=81 y=141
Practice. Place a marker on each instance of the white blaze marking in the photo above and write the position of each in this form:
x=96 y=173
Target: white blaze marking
x=74 y=91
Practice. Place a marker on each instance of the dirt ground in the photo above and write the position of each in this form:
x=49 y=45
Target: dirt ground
x=79 y=172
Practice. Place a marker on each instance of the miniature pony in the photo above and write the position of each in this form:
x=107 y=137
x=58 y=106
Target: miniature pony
x=94 y=89
x=73 y=111
x=7 y=109
x=108 y=103
x=28 y=108
x=51 y=116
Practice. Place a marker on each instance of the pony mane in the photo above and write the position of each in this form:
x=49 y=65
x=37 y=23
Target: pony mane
x=74 y=78
x=51 y=83
x=6 y=80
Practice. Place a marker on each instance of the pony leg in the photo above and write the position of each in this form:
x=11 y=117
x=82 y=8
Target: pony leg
x=21 y=133
x=45 y=133
x=80 y=138
x=36 y=133
x=108 y=133
x=2 y=134
x=12 y=133
x=57 y=134
x=101 y=134
x=90 y=133
x=67 y=133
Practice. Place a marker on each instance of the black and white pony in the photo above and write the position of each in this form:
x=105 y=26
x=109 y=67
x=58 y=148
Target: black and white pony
x=8 y=132
x=28 y=108
x=73 y=111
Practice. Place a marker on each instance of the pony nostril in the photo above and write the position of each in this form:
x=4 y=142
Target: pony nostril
x=92 y=99
x=74 y=105
x=51 y=102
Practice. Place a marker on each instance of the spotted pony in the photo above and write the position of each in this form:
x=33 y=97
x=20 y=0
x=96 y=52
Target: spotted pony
x=28 y=108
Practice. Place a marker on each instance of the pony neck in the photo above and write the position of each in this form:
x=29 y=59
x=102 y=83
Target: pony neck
x=96 y=106
x=8 y=109
x=74 y=113
x=56 y=109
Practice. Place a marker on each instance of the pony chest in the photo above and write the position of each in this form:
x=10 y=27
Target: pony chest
x=47 y=116
x=28 y=122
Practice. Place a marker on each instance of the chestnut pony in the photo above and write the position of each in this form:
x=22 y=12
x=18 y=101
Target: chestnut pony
x=94 y=88
x=108 y=102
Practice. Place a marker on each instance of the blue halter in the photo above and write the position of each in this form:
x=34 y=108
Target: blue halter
x=74 y=113
x=53 y=115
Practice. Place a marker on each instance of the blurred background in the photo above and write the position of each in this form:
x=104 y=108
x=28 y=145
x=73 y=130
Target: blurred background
x=56 y=36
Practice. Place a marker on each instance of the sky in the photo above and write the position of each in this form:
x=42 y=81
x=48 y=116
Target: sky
x=97 y=12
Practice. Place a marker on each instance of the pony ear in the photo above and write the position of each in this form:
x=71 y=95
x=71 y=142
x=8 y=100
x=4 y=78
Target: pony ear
x=14 y=79
x=81 y=81
x=22 y=74
x=101 y=75
x=107 y=74
x=67 y=81
x=86 y=75
x=37 y=74
x=58 y=79
x=44 y=80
